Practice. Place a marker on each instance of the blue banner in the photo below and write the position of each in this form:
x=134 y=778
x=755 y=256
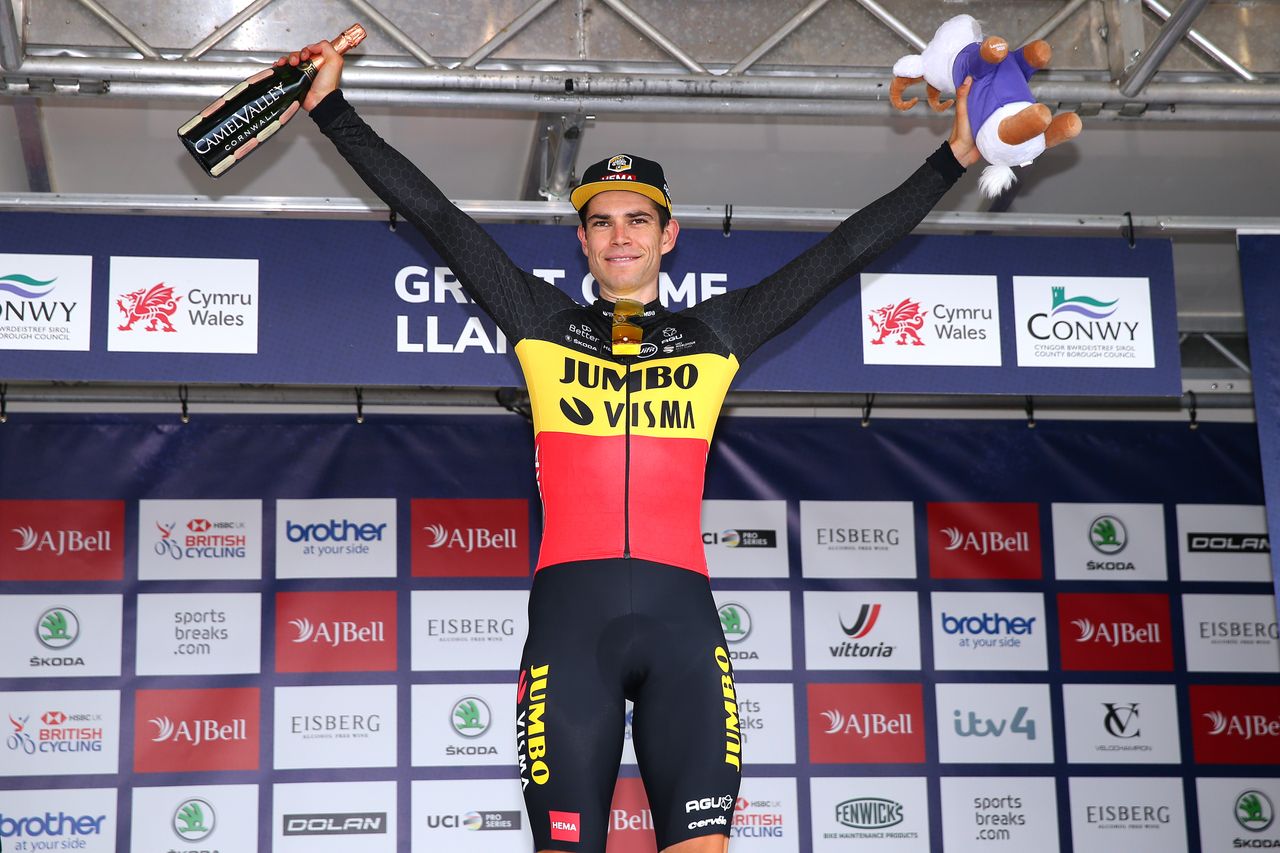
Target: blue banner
x=1260 y=275
x=127 y=298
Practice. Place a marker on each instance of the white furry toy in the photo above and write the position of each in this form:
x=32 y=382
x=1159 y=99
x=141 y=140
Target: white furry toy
x=1009 y=127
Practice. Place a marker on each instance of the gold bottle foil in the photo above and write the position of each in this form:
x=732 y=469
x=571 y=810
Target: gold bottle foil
x=350 y=37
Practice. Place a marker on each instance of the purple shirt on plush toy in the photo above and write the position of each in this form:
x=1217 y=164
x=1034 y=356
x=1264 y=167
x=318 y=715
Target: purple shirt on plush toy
x=1001 y=83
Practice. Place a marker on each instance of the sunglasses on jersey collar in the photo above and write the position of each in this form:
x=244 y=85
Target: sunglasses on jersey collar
x=627 y=334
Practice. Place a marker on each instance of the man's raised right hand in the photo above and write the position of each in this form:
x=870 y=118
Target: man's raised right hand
x=328 y=74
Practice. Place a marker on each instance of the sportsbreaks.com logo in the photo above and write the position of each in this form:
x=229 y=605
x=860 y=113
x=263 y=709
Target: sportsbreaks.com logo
x=984 y=540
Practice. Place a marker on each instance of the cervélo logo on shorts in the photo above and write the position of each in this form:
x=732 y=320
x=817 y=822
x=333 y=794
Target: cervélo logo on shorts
x=1115 y=632
x=470 y=538
x=347 y=631
x=61 y=540
x=984 y=540
x=866 y=723
x=1235 y=724
x=196 y=730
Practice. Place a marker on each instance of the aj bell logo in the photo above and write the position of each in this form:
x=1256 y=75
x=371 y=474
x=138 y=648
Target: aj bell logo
x=468 y=539
x=1247 y=726
x=1116 y=634
x=865 y=725
x=59 y=542
x=337 y=633
x=986 y=541
x=196 y=732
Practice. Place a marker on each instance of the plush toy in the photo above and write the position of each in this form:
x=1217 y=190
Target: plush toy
x=1009 y=127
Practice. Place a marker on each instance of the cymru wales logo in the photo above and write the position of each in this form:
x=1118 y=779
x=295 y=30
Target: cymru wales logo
x=194 y=820
x=735 y=621
x=902 y=321
x=57 y=628
x=1254 y=811
x=154 y=305
x=1086 y=306
x=470 y=716
x=1107 y=535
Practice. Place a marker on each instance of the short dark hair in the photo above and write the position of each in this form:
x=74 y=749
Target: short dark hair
x=664 y=215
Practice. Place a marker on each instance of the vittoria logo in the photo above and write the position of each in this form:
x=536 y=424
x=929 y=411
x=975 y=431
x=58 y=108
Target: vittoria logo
x=194 y=820
x=1115 y=632
x=470 y=716
x=899 y=322
x=1235 y=724
x=61 y=540
x=984 y=540
x=57 y=628
x=348 y=631
x=735 y=621
x=869 y=813
x=865 y=723
x=1107 y=535
x=470 y=538
x=1254 y=811
x=862 y=626
x=196 y=730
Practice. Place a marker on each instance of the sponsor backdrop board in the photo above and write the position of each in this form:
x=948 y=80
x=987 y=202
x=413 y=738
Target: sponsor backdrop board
x=986 y=314
x=224 y=640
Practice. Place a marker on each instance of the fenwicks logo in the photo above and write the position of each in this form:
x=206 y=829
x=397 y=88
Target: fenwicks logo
x=869 y=813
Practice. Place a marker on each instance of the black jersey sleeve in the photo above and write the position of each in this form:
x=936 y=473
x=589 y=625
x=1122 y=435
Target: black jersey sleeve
x=516 y=300
x=747 y=318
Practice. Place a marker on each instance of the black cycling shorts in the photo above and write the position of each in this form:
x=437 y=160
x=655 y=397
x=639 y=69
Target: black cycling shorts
x=601 y=632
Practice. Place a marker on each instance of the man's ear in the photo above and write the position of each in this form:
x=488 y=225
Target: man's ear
x=582 y=238
x=669 y=235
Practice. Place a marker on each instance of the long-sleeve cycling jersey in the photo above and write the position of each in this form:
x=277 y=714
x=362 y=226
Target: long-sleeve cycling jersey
x=621 y=442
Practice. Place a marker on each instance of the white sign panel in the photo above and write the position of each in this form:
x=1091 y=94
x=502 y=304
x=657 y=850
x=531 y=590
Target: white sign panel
x=469 y=816
x=1114 y=815
x=81 y=819
x=45 y=302
x=460 y=630
x=183 y=305
x=334 y=817
x=200 y=540
x=330 y=726
x=994 y=724
x=1238 y=814
x=1083 y=321
x=1223 y=542
x=194 y=818
x=53 y=636
x=329 y=538
x=757 y=627
x=1121 y=724
x=857 y=539
x=1231 y=633
x=983 y=814
x=1109 y=542
x=766 y=819
x=63 y=733
x=745 y=539
x=767 y=717
x=989 y=630
x=462 y=725
x=889 y=813
x=930 y=319
x=217 y=633
x=861 y=630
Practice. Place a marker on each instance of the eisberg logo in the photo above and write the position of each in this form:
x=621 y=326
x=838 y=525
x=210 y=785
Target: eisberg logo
x=869 y=813
x=194 y=820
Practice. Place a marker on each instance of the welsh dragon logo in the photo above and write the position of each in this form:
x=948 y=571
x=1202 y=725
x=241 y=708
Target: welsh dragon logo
x=902 y=321
x=155 y=304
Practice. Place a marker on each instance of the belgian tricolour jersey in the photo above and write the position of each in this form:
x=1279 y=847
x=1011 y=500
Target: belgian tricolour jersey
x=621 y=441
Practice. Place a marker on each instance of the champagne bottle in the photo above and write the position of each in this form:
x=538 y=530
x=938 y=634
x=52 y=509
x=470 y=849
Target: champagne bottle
x=254 y=109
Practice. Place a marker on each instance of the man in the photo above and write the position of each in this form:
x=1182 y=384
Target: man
x=620 y=606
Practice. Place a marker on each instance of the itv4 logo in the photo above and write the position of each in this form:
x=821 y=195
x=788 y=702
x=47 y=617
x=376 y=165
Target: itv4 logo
x=971 y=725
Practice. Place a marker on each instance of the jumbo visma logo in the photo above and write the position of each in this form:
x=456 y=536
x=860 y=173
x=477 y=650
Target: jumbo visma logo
x=194 y=820
x=531 y=728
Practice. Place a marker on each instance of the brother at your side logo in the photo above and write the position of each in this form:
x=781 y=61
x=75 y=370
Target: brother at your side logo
x=77 y=819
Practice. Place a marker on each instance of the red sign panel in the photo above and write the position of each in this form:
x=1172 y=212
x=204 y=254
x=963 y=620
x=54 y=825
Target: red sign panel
x=984 y=540
x=866 y=724
x=470 y=538
x=346 y=631
x=1115 y=632
x=1233 y=724
x=193 y=730
x=61 y=540
x=630 y=820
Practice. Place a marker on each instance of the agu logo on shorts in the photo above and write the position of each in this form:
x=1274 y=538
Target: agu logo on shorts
x=565 y=826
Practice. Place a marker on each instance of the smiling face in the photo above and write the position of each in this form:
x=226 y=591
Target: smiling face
x=624 y=242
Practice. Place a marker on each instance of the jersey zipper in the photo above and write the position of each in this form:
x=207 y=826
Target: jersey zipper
x=626 y=474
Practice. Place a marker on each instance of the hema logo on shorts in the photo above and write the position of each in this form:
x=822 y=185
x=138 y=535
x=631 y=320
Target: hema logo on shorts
x=565 y=826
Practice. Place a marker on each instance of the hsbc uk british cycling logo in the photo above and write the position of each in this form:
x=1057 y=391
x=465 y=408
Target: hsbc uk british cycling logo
x=903 y=321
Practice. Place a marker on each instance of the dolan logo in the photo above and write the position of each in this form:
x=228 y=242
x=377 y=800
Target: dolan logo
x=578 y=413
